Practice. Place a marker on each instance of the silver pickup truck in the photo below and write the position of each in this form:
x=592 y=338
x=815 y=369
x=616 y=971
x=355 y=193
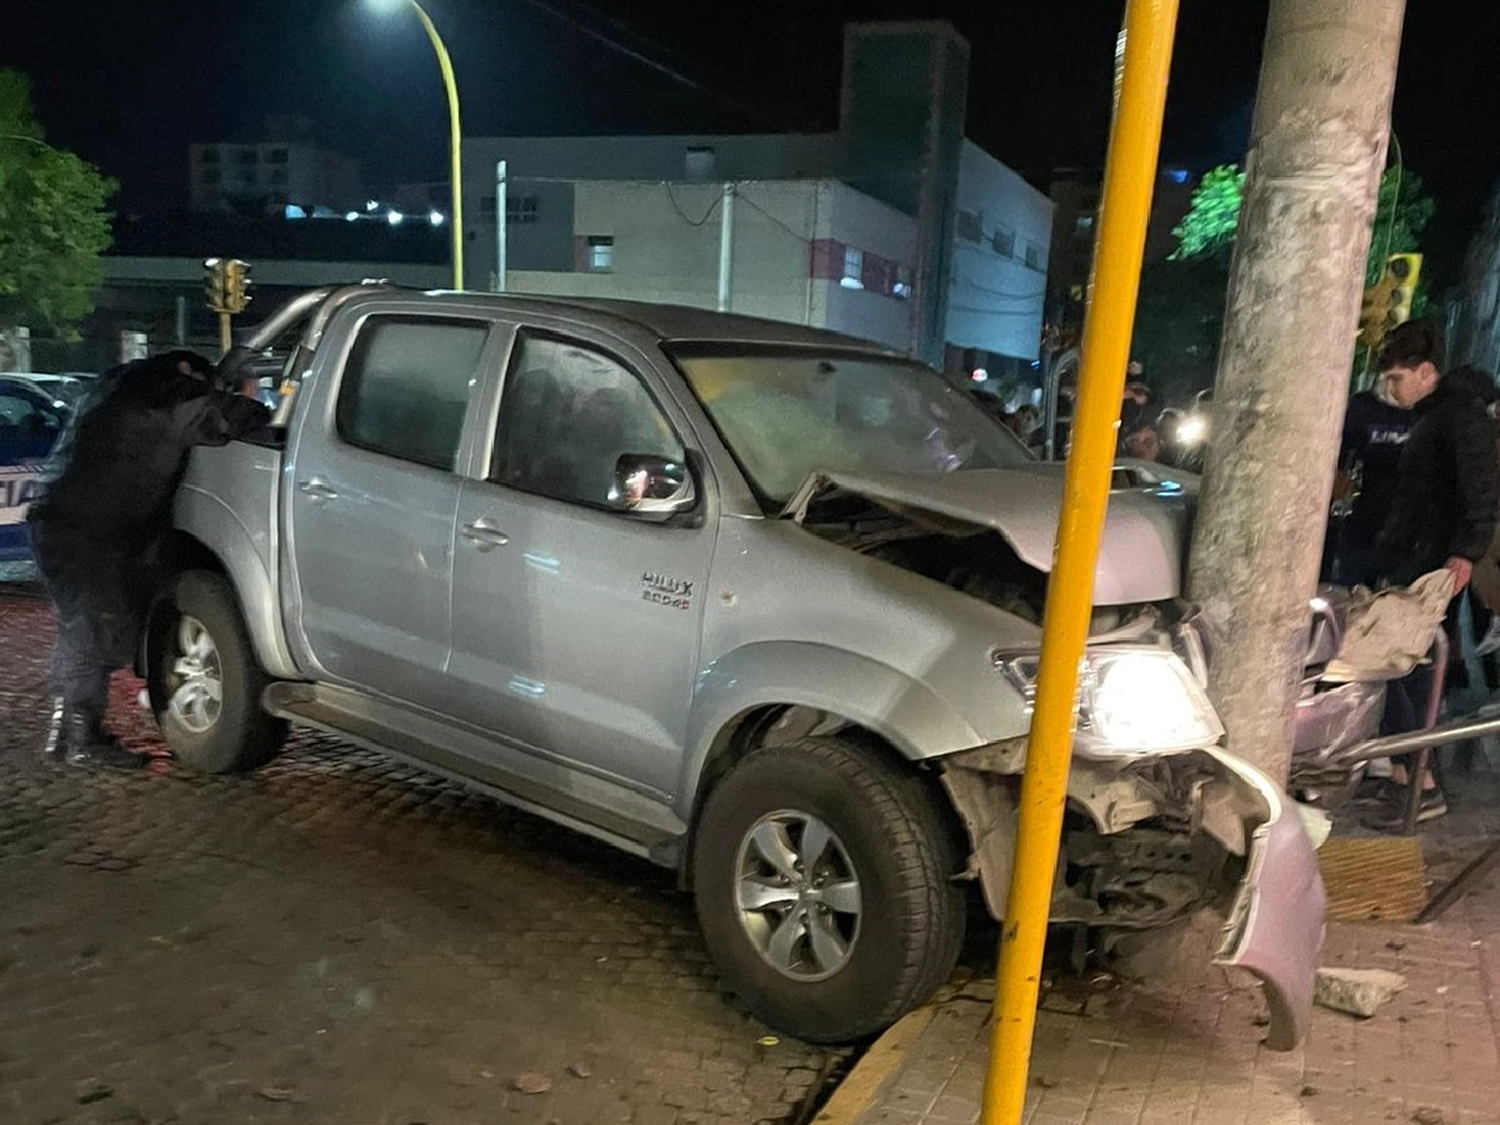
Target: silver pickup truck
x=755 y=601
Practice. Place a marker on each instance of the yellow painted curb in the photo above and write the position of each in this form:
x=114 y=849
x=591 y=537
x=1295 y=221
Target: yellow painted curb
x=861 y=1090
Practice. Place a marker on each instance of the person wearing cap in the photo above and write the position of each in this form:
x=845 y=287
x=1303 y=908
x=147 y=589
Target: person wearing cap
x=107 y=500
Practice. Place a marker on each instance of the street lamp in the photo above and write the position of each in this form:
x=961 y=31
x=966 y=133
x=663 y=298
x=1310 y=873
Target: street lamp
x=455 y=173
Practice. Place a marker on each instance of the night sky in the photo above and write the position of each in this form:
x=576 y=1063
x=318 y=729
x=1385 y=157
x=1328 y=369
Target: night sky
x=130 y=83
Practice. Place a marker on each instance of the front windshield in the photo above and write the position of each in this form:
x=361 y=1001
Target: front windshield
x=785 y=413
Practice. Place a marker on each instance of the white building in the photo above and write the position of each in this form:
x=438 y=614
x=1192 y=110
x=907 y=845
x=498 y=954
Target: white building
x=895 y=228
x=812 y=252
x=266 y=175
x=1001 y=238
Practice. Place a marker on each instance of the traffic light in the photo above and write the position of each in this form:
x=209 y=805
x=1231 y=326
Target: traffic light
x=1387 y=303
x=236 y=285
x=1403 y=270
x=1375 y=311
x=214 y=284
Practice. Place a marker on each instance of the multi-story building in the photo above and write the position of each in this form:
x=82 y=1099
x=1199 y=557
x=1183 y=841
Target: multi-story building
x=894 y=228
x=266 y=175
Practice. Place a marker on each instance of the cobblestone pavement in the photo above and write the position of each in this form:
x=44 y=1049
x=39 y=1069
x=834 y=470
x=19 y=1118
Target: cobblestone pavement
x=339 y=939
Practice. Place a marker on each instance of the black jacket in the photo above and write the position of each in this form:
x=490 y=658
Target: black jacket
x=1374 y=436
x=127 y=450
x=1447 y=490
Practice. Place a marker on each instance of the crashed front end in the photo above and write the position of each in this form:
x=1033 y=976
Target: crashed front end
x=1161 y=823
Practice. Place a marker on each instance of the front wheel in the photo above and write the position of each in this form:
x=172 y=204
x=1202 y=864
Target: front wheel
x=205 y=683
x=824 y=881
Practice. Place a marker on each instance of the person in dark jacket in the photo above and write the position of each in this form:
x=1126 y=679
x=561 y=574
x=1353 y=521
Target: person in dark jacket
x=99 y=517
x=1443 y=508
x=1375 y=432
x=1444 y=504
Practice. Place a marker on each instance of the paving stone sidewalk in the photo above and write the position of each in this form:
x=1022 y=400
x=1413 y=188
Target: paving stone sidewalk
x=341 y=940
x=1185 y=1050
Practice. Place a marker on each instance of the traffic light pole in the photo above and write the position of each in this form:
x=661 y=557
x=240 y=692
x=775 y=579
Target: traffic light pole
x=1317 y=147
x=226 y=334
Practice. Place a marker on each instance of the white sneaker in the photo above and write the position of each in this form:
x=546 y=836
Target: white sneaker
x=1490 y=642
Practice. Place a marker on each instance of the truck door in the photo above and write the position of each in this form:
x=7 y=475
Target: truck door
x=372 y=497
x=576 y=626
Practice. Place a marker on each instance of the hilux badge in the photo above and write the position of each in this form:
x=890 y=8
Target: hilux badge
x=674 y=592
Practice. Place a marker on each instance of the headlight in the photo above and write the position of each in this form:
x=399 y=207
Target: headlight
x=1193 y=430
x=1132 y=699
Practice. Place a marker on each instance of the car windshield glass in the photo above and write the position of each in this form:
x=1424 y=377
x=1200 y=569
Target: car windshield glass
x=785 y=413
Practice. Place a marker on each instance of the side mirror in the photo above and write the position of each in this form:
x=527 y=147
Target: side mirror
x=647 y=484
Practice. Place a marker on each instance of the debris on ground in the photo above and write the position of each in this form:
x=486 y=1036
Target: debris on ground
x=530 y=1082
x=1360 y=992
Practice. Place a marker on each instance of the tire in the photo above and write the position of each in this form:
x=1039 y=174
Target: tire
x=198 y=640
x=898 y=927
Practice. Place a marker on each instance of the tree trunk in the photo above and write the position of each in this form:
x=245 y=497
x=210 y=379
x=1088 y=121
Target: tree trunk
x=1317 y=148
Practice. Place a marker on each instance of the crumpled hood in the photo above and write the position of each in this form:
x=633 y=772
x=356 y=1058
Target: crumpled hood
x=1143 y=551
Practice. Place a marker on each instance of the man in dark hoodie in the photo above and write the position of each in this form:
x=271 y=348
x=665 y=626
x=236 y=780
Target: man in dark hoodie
x=1443 y=508
x=98 y=520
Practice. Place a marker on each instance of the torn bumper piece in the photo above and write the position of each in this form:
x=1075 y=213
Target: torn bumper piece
x=1276 y=925
x=1274 y=893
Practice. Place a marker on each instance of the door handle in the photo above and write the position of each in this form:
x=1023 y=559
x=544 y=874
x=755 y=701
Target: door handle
x=485 y=535
x=317 y=489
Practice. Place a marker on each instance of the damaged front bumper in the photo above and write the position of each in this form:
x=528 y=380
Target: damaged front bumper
x=1149 y=841
x=1275 y=928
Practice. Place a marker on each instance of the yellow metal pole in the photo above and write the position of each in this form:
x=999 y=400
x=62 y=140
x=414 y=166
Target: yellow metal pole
x=1129 y=175
x=226 y=335
x=455 y=165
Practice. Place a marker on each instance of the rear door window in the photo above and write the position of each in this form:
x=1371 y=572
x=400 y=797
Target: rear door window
x=407 y=384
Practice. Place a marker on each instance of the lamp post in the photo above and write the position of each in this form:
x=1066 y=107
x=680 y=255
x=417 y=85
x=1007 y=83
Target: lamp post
x=455 y=172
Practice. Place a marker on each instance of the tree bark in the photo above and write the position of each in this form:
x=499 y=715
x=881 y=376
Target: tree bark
x=1317 y=148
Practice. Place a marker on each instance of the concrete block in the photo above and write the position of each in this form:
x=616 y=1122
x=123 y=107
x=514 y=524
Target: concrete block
x=1360 y=992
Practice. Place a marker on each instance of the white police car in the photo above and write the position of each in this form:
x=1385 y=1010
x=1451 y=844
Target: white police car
x=31 y=421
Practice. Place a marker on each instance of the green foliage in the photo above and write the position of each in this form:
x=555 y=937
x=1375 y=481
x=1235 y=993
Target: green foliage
x=53 y=221
x=1207 y=230
x=1402 y=212
x=1181 y=310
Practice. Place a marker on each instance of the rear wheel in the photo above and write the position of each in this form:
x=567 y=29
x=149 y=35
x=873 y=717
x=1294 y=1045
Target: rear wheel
x=204 y=681
x=824 y=881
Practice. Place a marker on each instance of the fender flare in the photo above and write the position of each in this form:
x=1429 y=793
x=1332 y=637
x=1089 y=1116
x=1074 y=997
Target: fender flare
x=910 y=716
x=205 y=518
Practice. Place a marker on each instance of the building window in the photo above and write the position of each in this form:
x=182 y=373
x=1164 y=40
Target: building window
x=1004 y=242
x=208 y=156
x=208 y=176
x=247 y=156
x=247 y=175
x=854 y=268
x=601 y=258
x=519 y=209
x=276 y=156
x=278 y=175
x=969 y=227
x=1033 y=256
x=699 y=163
